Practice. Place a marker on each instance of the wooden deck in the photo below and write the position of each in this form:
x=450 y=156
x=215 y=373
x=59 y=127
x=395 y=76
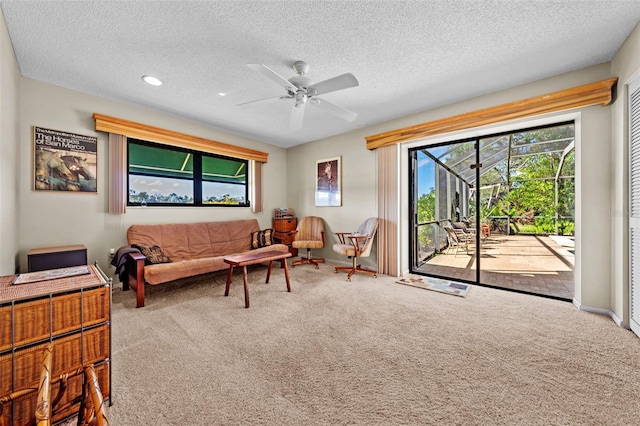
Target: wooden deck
x=536 y=264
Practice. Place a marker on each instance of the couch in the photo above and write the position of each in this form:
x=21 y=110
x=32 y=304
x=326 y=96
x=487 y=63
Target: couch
x=167 y=252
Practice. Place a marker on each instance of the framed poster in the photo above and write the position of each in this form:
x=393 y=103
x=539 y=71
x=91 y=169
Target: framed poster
x=328 y=182
x=64 y=161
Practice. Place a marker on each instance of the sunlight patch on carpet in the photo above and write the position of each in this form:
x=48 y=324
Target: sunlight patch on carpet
x=436 y=284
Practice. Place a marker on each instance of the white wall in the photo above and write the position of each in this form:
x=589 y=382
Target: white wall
x=626 y=66
x=61 y=218
x=9 y=153
x=360 y=176
x=359 y=197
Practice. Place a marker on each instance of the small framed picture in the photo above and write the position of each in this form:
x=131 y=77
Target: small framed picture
x=328 y=182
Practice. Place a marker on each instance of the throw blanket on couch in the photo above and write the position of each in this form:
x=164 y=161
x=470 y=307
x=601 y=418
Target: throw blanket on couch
x=119 y=260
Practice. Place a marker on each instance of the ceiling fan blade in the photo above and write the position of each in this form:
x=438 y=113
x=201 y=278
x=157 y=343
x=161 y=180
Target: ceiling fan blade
x=340 y=82
x=261 y=101
x=274 y=76
x=341 y=112
x=297 y=116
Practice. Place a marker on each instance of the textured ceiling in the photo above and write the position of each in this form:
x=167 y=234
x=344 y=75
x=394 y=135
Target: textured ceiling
x=408 y=56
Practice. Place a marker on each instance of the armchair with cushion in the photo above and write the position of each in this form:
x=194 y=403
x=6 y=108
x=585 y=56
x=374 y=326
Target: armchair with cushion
x=309 y=235
x=355 y=245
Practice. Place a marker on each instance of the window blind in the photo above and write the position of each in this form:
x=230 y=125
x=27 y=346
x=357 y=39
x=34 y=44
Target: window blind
x=634 y=205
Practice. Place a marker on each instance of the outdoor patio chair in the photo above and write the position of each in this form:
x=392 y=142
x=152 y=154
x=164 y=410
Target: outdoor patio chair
x=461 y=227
x=457 y=238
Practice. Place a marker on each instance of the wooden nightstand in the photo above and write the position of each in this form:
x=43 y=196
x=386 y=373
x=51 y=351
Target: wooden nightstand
x=284 y=230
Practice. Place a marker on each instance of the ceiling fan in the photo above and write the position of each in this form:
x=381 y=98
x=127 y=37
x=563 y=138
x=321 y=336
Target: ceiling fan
x=300 y=89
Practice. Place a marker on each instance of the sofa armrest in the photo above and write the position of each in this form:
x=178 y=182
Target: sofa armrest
x=135 y=276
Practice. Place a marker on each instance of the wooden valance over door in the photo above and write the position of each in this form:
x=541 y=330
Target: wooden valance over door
x=596 y=93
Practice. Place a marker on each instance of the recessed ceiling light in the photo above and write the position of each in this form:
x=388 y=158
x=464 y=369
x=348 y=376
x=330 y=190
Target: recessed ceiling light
x=152 y=80
x=222 y=94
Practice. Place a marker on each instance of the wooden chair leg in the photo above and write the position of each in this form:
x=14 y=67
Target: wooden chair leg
x=355 y=268
x=308 y=260
x=92 y=408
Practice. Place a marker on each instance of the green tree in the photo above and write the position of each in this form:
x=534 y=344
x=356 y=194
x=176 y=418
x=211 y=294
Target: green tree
x=427 y=207
x=533 y=177
x=426 y=213
x=523 y=183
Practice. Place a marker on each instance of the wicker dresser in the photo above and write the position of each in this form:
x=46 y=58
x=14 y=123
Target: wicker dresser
x=72 y=312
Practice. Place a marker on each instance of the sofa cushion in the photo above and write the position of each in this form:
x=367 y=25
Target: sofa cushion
x=187 y=241
x=154 y=254
x=195 y=248
x=262 y=238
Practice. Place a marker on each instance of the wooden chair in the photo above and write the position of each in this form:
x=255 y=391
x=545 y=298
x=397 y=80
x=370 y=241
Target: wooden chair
x=43 y=404
x=5 y=416
x=92 y=409
x=355 y=245
x=309 y=235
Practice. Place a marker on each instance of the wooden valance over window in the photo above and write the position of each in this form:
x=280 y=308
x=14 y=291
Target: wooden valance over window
x=132 y=129
x=596 y=93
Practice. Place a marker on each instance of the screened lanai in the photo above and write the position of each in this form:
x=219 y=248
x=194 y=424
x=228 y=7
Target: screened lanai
x=473 y=199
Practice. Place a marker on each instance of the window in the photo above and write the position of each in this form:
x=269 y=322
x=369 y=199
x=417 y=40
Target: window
x=162 y=175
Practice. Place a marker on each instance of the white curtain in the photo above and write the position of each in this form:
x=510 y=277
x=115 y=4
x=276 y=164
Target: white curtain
x=388 y=208
x=117 y=174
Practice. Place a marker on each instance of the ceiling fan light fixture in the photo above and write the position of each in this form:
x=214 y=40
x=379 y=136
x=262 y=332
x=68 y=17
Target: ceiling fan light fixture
x=301 y=82
x=301 y=89
x=154 y=81
x=301 y=99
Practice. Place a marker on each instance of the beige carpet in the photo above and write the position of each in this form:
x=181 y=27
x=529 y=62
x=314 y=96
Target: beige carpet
x=368 y=352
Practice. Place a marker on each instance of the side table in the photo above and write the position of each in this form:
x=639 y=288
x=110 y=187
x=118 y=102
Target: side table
x=245 y=260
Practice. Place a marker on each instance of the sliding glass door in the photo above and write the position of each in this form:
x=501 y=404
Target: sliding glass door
x=497 y=210
x=442 y=198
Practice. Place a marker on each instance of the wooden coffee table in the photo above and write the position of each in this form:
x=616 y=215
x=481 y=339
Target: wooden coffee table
x=247 y=259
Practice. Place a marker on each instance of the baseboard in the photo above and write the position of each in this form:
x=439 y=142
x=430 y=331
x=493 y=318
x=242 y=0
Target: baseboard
x=618 y=320
x=601 y=311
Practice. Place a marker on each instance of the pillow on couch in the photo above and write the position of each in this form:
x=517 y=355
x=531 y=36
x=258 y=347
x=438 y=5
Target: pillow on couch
x=262 y=238
x=154 y=254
